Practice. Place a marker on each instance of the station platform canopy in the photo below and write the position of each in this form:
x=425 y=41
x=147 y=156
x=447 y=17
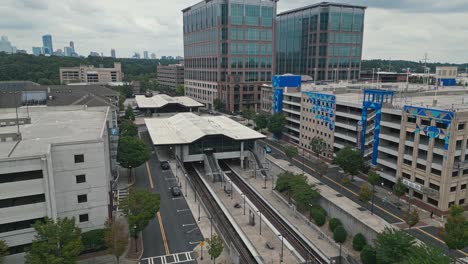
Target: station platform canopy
x=162 y=100
x=185 y=128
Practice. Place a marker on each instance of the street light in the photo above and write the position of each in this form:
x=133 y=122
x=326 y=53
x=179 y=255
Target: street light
x=186 y=179
x=136 y=236
x=243 y=195
x=198 y=212
x=260 y=213
x=281 y=258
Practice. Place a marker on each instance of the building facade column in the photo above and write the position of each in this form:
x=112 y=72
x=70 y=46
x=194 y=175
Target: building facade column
x=242 y=154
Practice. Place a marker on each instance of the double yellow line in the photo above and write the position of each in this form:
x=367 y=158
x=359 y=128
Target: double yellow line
x=163 y=233
x=357 y=195
x=150 y=177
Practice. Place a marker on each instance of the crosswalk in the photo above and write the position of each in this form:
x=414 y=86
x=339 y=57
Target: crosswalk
x=184 y=257
x=122 y=194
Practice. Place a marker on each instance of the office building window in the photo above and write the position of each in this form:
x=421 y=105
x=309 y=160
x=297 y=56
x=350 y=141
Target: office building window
x=83 y=218
x=82 y=198
x=79 y=158
x=80 y=178
x=463 y=187
x=462 y=201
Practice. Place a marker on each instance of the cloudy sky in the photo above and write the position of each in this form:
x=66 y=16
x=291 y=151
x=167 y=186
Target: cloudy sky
x=396 y=29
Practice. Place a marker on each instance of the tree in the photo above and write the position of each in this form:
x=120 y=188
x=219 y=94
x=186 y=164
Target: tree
x=368 y=255
x=3 y=250
x=129 y=115
x=305 y=195
x=276 y=123
x=261 y=121
x=411 y=217
x=180 y=90
x=373 y=178
x=218 y=104
x=215 y=247
x=319 y=217
x=291 y=152
x=115 y=238
x=334 y=223
x=350 y=160
x=128 y=129
x=359 y=242
x=139 y=207
x=132 y=152
x=456 y=229
x=399 y=189
x=55 y=242
x=393 y=246
x=365 y=193
x=340 y=234
x=318 y=145
x=424 y=254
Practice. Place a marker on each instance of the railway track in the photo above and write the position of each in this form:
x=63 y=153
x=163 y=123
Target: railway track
x=228 y=231
x=310 y=254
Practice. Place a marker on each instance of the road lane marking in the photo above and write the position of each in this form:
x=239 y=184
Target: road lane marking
x=193 y=243
x=375 y=205
x=163 y=233
x=150 y=177
x=191 y=230
x=184 y=225
x=183 y=210
x=177 y=198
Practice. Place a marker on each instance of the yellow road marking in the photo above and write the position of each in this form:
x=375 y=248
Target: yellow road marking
x=357 y=195
x=163 y=233
x=150 y=177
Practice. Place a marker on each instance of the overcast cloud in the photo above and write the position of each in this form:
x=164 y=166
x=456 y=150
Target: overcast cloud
x=396 y=29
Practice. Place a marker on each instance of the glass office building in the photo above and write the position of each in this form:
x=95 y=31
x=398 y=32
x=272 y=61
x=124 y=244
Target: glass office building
x=47 y=45
x=229 y=51
x=322 y=40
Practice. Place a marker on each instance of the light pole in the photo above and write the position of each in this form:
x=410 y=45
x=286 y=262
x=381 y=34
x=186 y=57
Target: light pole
x=186 y=179
x=198 y=212
x=211 y=226
x=135 y=236
x=260 y=213
x=282 y=246
x=232 y=191
x=244 y=202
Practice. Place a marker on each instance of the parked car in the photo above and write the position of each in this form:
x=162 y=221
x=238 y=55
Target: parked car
x=165 y=165
x=267 y=149
x=175 y=191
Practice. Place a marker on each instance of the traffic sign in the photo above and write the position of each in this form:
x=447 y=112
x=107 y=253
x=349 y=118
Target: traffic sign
x=202 y=243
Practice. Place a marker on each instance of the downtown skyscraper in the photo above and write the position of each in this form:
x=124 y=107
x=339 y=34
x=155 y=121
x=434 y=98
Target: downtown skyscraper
x=229 y=51
x=47 y=45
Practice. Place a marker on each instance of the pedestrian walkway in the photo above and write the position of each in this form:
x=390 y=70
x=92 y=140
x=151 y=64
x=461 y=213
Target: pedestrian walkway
x=184 y=257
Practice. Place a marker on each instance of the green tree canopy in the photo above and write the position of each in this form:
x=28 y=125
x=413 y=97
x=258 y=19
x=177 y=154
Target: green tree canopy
x=305 y=195
x=393 y=246
x=350 y=160
x=215 y=247
x=132 y=152
x=399 y=189
x=276 y=123
x=365 y=193
x=139 y=208
x=373 y=177
x=116 y=238
x=129 y=115
x=180 y=90
x=218 y=104
x=423 y=254
x=3 y=250
x=368 y=255
x=456 y=228
x=261 y=121
x=318 y=145
x=128 y=129
x=340 y=234
x=359 y=242
x=291 y=152
x=411 y=217
x=55 y=242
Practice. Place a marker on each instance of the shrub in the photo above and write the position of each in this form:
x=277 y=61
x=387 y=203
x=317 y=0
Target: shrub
x=340 y=234
x=316 y=207
x=319 y=218
x=368 y=255
x=334 y=223
x=93 y=240
x=359 y=242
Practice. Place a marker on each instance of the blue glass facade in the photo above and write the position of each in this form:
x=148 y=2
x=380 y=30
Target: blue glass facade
x=47 y=45
x=323 y=41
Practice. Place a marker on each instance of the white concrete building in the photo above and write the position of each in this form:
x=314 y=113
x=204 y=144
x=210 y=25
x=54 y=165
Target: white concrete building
x=56 y=163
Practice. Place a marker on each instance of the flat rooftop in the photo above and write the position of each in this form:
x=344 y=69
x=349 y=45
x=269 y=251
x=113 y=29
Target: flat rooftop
x=51 y=125
x=160 y=100
x=185 y=128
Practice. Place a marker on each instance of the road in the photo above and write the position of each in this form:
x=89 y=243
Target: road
x=173 y=229
x=387 y=211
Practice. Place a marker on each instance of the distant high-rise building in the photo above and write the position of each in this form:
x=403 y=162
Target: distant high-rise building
x=153 y=56
x=91 y=74
x=170 y=76
x=72 y=45
x=136 y=55
x=5 y=45
x=113 y=53
x=179 y=58
x=145 y=55
x=37 y=51
x=47 y=45
x=325 y=44
x=68 y=51
x=230 y=55
x=94 y=54
x=58 y=52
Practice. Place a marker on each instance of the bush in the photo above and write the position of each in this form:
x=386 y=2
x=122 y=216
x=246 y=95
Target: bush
x=319 y=218
x=368 y=255
x=340 y=234
x=359 y=242
x=93 y=240
x=334 y=223
x=316 y=207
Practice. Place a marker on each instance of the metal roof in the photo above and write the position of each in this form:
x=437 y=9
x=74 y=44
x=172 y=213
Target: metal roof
x=185 y=128
x=160 y=100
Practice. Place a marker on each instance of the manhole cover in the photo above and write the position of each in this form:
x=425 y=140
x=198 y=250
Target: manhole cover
x=339 y=195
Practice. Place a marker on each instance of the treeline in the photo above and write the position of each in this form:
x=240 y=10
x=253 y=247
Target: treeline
x=402 y=65
x=45 y=70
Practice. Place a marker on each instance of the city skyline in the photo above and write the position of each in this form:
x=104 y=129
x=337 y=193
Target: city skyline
x=398 y=30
